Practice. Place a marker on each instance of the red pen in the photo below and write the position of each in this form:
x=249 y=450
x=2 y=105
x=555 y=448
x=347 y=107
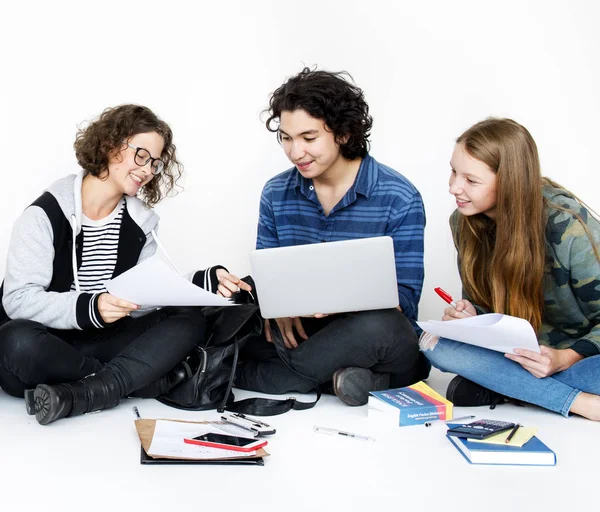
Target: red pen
x=447 y=297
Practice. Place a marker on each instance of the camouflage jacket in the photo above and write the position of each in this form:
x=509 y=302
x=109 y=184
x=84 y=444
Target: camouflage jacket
x=571 y=317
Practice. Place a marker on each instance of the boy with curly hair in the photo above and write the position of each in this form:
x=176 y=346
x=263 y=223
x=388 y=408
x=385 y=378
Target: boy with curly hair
x=337 y=191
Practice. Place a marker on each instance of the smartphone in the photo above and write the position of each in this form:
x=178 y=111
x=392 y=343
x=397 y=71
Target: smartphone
x=227 y=442
x=257 y=427
x=480 y=429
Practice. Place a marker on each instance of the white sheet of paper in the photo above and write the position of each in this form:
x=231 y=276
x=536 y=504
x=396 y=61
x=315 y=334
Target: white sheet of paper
x=154 y=283
x=495 y=331
x=167 y=441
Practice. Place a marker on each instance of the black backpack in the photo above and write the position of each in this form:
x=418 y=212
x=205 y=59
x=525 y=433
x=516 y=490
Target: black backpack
x=213 y=363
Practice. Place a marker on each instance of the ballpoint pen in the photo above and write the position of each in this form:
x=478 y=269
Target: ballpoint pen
x=512 y=433
x=136 y=412
x=448 y=298
x=429 y=423
x=333 y=431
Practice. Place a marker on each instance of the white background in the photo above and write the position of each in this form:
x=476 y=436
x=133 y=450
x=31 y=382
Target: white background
x=429 y=69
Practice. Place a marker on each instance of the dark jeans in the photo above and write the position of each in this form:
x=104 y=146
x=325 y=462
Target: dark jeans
x=383 y=341
x=138 y=351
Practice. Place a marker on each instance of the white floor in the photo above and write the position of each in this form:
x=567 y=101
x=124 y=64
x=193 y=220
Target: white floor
x=91 y=463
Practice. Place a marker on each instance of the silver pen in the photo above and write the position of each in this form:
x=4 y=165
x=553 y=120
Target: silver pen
x=333 y=431
x=429 y=423
x=243 y=427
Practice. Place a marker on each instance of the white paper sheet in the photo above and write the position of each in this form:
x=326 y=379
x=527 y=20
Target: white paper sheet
x=168 y=437
x=154 y=283
x=495 y=331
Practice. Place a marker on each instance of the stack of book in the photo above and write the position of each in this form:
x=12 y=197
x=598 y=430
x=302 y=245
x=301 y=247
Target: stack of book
x=527 y=451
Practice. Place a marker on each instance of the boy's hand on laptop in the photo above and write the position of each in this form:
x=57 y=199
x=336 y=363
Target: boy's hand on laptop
x=286 y=327
x=230 y=283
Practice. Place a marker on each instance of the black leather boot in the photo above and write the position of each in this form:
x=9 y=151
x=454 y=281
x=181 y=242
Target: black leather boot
x=171 y=380
x=93 y=393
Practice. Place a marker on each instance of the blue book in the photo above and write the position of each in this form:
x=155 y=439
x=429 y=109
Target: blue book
x=532 y=453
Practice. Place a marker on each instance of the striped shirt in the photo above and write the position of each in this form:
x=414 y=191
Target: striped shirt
x=381 y=202
x=99 y=254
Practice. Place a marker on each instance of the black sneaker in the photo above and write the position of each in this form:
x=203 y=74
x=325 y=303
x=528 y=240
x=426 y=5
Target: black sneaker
x=352 y=385
x=464 y=393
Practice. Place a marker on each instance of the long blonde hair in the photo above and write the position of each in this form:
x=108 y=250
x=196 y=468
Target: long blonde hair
x=502 y=260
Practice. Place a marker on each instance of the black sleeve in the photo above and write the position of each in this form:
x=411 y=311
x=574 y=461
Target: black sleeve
x=207 y=279
x=88 y=314
x=585 y=348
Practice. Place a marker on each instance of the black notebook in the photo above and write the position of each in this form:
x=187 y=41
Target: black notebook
x=247 y=461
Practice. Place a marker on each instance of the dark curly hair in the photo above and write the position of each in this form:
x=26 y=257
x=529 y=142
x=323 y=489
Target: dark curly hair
x=103 y=138
x=327 y=96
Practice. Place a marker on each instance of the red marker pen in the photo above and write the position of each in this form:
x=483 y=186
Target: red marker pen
x=446 y=296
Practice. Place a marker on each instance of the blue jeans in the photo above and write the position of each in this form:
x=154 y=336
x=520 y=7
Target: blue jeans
x=492 y=370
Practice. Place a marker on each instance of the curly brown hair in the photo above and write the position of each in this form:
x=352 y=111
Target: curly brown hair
x=103 y=138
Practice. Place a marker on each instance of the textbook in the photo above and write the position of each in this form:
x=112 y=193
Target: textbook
x=412 y=405
x=532 y=453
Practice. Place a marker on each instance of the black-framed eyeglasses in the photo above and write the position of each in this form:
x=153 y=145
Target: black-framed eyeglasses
x=143 y=156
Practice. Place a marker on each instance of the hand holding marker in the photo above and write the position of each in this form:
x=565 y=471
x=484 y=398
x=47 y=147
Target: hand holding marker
x=448 y=298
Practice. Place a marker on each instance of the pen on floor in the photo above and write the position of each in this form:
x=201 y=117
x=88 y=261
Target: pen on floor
x=137 y=413
x=429 y=423
x=243 y=427
x=258 y=423
x=512 y=433
x=333 y=431
x=448 y=298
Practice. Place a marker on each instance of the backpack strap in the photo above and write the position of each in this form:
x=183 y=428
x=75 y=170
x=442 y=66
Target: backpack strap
x=270 y=406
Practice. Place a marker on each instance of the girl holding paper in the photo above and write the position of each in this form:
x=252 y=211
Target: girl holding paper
x=528 y=248
x=66 y=344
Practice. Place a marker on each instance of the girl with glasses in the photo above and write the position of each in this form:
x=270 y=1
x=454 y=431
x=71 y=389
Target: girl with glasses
x=528 y=248
x=66 y=344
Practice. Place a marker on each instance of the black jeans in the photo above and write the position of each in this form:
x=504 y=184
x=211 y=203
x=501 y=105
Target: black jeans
x=382 y=340
x=138 y=351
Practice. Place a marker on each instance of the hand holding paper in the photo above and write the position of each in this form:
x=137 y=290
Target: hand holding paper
x=154 y=283
x=493 y=331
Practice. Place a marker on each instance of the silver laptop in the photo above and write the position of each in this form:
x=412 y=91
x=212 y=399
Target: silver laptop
x=332 y=277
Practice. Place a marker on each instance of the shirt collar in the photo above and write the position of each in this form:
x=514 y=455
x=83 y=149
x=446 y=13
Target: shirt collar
x=365 y=181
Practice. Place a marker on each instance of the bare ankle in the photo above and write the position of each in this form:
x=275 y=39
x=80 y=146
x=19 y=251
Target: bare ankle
x=587 y=405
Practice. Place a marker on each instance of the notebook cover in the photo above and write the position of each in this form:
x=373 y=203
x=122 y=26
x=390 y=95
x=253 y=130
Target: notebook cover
x=248 y=461
x=533 y=446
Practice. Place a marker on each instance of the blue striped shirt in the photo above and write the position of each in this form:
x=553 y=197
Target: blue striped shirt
x=381 y=202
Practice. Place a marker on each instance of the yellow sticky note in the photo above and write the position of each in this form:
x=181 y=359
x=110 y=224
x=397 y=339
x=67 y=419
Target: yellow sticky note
x=522 y=435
